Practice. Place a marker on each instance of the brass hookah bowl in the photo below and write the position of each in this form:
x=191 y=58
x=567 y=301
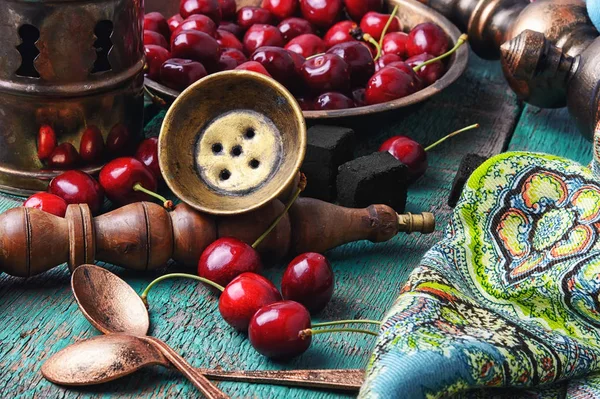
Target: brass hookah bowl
x=230 y=148
x=549 y=50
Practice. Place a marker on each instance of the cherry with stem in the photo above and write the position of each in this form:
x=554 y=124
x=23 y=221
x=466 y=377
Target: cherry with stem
x=461 y=40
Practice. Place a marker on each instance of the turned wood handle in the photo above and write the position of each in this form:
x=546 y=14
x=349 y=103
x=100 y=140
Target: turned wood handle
x=145 y=236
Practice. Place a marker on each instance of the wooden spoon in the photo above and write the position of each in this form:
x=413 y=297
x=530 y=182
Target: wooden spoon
x=113 y=307
x=108 y=357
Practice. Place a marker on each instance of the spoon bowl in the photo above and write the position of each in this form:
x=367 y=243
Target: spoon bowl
x=101 y=359
x=108 y=302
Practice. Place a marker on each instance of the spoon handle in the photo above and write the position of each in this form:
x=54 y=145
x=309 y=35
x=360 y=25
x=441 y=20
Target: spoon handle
x=208 y=389
x=345 y=380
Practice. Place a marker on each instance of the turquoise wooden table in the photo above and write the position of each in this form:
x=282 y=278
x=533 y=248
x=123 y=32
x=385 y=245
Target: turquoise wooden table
x=39 y=316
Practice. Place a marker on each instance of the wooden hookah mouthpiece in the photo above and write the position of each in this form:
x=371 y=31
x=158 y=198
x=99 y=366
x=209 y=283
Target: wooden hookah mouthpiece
x=145 y=236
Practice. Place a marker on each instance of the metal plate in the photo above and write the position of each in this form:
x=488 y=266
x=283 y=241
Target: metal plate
x=410 y=12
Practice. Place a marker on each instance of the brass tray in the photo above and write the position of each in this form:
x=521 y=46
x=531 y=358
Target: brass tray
x=410 y=12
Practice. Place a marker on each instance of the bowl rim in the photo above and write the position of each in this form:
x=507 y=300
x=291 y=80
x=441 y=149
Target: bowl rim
x=169 y=119
x=457 y=64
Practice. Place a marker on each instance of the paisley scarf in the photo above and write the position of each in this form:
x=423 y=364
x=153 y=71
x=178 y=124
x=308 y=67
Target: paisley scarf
x=507 y=304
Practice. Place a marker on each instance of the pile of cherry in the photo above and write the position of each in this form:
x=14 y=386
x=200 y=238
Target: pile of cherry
x=92 y=148
x=123 y=180
x=325 y=61
x=278 y=324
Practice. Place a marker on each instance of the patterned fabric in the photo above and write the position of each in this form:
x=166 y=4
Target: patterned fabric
x=509 y=299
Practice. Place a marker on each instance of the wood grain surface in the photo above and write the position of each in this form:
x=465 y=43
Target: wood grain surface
x=39 y=316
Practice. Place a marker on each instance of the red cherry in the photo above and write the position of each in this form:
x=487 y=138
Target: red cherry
x=196 y=46
x=359 y=59
x=332 y=100
x=309 y=280
x=385 y=60
x=174 y=22
x=281 y=9
x=151 y=37
x=231 y=27
x=210 y=8
x=403 y=66
x=253 y=66
x=228 y=40
x=299 y=61
x=389 y=84
x=295 y=85
x=156 y=22
x=261 y=35
x=395 y=43
x=227 y=258
x=77 y=187
x=274 y=330
x=373 y=23
x=155 y=57
x=358 y=8
x=119 y=176
x=306 y=45
x=147 y=153
x=248 y=16
x=244 y=296
x=200 y=23
x=91 y=147
x=340 y=33
x=227 y=63
x=179 y=74
x=294 y=27
x=429 y=73
x=46 y=142
x=427 y=38
x=64 y=156
x=48 y=203
x=237 y=55
x=409 y=152
x=322 y=13
x=358 y=95
x=306 y=104
x=327 y=72
x=228 y=9
x=118 y=140
x=277 y=61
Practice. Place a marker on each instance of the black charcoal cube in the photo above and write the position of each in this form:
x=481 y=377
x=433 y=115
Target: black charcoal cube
x=328 y=147
x=378 y=178
x=467 y=166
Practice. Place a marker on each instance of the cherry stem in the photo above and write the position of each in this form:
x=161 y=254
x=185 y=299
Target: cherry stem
x=368 y=38
x=315 y=56
x=144 y=295
x=338 y=322
x=301 y=187
x=440 y=141
x=309 y=331
x=387 y=25
x=155 y=99
x=166 y=203
x=461 y=40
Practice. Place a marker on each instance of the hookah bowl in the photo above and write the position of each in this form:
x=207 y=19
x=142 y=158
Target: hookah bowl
x=232 y=142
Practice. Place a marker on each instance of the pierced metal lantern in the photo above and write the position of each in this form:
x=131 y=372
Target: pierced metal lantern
x=69 y=64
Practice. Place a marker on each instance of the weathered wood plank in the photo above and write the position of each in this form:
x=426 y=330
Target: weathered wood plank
x=39 y=316
x=550 y=131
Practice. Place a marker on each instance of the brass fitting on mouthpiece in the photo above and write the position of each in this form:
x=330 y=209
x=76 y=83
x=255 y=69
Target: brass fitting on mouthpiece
x=421 y=223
